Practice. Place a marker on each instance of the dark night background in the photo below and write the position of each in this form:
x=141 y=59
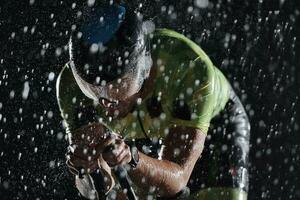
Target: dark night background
x=253 y=42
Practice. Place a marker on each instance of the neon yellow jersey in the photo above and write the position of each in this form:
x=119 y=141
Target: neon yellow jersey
x=188 y=88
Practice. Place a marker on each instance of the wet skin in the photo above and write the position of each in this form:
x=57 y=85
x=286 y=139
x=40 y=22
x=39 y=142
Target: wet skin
x=168 y=175
x=118 y=109
x=86 y=151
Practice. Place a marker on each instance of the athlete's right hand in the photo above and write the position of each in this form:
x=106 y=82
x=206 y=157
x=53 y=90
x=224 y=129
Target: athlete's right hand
x=79 y=164
x=86 y=146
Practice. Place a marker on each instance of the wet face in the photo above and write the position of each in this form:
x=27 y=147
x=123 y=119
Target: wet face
x=118 y=96
x=121 y=101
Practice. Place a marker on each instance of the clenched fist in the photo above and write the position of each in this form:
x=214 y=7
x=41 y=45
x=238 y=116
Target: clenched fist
x=86 y=146
x=117 y=153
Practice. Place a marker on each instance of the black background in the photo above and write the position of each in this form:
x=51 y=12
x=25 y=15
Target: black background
x=253 y=42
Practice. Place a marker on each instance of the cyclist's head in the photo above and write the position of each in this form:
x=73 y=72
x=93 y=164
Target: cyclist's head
x=109 y=52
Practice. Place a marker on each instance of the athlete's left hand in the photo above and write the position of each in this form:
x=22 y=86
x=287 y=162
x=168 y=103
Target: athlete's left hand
x=118 y=153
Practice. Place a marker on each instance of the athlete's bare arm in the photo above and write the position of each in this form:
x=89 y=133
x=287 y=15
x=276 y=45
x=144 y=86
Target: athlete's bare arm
x=183 y=147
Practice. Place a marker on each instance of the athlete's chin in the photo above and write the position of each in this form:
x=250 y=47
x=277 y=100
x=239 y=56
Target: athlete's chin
x=116 y=113
x=120 y=110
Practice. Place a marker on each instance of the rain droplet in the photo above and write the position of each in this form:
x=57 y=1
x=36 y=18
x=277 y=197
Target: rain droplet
x=51 y=76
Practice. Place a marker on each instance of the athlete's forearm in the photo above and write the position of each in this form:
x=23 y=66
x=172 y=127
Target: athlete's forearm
x=165 y=177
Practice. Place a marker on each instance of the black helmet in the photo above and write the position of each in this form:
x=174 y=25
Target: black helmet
x=111 y=41
x=107 y=35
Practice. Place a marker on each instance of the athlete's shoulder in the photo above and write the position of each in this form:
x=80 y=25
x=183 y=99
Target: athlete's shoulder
x=182 y=43
x=66 y=87
x=61 y=76
x=64 y=81
x=164 y=32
